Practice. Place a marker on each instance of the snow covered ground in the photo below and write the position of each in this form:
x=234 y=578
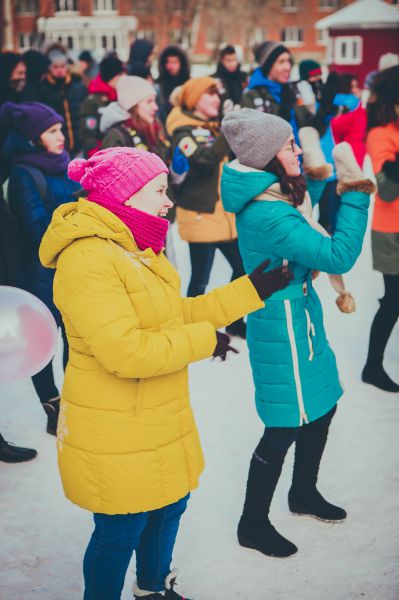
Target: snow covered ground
x=43 y=536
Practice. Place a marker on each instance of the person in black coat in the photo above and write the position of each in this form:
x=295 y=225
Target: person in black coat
x=64 y=93
x=174 y=70
x=8 y=252
x=38 y=185
x=15 y=88
x=232 y=79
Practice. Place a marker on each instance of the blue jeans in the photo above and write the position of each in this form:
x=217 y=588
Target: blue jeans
x=151 y=534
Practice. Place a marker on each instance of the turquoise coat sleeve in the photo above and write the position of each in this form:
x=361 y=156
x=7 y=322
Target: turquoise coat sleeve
x=291 y=237
x=315 y=188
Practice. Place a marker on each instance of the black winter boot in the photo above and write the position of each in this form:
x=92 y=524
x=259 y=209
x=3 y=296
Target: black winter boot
x=374 y=374
x=168 y=594
x=238 y=328
x=52 y=410
x=254 y=529
x=15 y=454
x=303 y=497
x=380 y=332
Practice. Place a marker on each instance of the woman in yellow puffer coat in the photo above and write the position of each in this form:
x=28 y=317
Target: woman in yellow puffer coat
x=128 y=447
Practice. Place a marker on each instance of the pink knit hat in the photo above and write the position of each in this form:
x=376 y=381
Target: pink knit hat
x=116 y=174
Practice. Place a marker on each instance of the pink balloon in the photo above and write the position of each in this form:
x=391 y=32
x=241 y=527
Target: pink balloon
x=28 y=334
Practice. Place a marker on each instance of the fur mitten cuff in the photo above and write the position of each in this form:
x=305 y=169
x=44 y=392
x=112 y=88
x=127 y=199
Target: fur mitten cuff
x=349 y=174
x=314 y=162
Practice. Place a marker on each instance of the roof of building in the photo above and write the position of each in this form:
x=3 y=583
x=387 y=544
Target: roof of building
x=363 y=13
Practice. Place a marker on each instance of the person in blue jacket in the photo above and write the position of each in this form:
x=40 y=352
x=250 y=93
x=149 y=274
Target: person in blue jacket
x=297 y=385
x=38 y=184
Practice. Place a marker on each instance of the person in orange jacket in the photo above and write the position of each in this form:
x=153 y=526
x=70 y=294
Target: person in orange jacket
x=383 y=147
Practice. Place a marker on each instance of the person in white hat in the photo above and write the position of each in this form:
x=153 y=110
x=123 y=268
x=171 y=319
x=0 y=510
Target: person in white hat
x=132 y=120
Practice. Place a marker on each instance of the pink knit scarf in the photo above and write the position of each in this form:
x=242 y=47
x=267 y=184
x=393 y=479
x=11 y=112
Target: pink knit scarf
x=149 y=231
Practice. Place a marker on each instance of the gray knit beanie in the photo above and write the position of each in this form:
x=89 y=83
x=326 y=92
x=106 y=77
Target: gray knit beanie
x=255 y=137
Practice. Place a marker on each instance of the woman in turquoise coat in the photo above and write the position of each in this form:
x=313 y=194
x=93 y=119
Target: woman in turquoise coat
x=297 y=385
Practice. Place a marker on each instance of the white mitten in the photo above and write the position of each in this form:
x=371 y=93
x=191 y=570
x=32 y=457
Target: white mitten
x=349 y=174
x=314 y=162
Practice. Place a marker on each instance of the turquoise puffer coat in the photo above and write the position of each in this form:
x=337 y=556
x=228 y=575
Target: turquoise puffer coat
x=294 y=369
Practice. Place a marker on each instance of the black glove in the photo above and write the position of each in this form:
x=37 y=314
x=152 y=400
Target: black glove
x=391 y=169
x=223 y=346
x=272 y=281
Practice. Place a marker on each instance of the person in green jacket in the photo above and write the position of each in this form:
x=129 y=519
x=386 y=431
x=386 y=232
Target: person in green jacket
x=297 y=385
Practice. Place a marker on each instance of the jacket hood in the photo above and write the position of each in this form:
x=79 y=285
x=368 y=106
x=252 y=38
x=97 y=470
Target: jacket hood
x=240 y=184
x=257 y=79
x=349 y=101
x=181 y=118
x=112 y=115
x=17 y=144
x=184 y=72
x=98 y=86
x=78 y=220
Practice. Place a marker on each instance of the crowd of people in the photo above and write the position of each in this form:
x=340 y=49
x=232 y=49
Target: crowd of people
x=96 y=160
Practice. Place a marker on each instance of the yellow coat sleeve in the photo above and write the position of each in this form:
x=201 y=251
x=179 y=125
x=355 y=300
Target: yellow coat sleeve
x=223 y=305
x=92 y=297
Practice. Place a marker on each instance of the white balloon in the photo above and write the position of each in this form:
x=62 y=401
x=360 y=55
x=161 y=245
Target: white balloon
x=28 y=334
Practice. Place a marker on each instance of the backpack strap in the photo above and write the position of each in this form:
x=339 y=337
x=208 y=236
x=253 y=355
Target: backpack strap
x=127 y=138
x=39 y=179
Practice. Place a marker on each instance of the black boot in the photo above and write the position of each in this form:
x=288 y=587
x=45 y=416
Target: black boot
x=381 y=329
x=374 y=374
x=238 y=328
x=14 y=454
x=303 y=497
x=52 y=410
x=168 y=594
x=254 y=529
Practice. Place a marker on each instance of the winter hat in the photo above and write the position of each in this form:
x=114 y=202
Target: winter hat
x=132 y=90
x=387 y=61
x=57 y=56
x=37 y=65
x=267 y=53
x=110 y=66
x=309 y=68
x=85 y=56
x=116 y=174
x=193 y=89
x=30 y=119
x=140 y=51
x=255 y=137
x=8 y=62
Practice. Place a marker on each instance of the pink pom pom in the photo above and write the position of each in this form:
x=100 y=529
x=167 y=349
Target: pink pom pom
x=77 y=169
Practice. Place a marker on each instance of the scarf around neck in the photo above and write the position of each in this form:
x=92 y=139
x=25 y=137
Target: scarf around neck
x=48 y=162
x=149 y=231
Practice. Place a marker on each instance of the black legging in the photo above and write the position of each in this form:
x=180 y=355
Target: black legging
x=43 y=381
x=202 y=256
x=384 y=320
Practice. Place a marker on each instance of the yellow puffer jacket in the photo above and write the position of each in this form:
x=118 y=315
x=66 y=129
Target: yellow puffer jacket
x=127 y=441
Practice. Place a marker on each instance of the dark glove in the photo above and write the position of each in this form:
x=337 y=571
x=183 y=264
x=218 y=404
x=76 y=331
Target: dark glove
x=271 y=281
x=391 y=169
x=223 y=346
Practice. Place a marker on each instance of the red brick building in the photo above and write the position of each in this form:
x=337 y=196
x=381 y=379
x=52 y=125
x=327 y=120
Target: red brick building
x=199 y=26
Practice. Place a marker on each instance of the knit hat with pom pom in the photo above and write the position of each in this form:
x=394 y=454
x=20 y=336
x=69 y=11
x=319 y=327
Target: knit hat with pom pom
x=116 y=174
x=30 y=119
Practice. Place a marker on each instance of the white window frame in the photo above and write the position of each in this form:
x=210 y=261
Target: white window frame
x=291 y=36
x=350 y=40
x=108 y=7
x=67 y=7
x=23 y=9
x=290 y=5
x=322 y=37
x=328 y=5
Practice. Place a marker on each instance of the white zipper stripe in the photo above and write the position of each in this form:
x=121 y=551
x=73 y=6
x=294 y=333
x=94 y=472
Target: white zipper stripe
x=310 y=330
x=295 y=362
